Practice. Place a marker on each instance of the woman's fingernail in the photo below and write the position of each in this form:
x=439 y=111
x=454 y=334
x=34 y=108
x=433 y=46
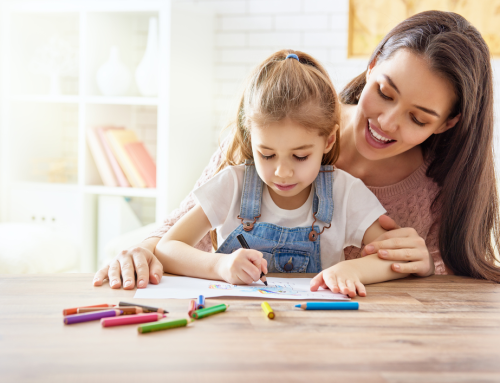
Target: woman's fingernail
x=396 y=266
x=128 y=283
x=114 y=282
x=383 y=253
x=369 y=248
x=157 y=278
x=141 y=283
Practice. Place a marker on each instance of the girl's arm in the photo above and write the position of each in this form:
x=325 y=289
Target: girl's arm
x=177 y=253
x=347 y=277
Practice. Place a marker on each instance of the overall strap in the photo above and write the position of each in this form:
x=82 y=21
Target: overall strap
x=251 y=197
x=323 y=196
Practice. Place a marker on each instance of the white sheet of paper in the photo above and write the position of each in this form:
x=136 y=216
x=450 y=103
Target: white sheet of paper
x=278 y=288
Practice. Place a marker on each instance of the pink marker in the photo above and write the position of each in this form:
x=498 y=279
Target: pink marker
x=131 y=319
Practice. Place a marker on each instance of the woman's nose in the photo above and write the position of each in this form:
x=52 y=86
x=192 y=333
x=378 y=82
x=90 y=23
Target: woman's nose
x=389 y=121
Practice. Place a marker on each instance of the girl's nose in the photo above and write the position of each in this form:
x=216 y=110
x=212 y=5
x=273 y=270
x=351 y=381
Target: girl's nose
x=283 y=170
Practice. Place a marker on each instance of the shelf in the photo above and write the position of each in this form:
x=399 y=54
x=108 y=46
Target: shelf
x=121 y=100
x=127 y=192
x=63 y=99
x=45 y=186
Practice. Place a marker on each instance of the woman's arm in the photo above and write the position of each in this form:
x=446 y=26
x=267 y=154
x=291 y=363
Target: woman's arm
x=178 y=256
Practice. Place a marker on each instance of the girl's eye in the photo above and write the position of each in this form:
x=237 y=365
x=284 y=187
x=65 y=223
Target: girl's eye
x=417 y=121
x=267 y=157
x=383 y=95
x=301 y=158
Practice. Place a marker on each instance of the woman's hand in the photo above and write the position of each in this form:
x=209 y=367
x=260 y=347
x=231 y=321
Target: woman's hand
x=138 y=259
x=340 y=278
x=403 y=245
x=242 y=267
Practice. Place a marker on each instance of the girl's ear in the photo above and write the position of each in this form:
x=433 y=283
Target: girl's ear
x=330 y=141
x=448 y=124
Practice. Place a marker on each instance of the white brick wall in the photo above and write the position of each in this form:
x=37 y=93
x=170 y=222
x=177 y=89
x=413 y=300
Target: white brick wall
x=247 y=31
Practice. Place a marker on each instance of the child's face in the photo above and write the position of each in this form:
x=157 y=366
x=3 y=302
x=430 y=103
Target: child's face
x=288 y=158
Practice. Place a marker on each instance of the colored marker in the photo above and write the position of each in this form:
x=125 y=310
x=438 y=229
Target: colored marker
x=131 y=319
x=78 y=318
x=198 y=314
x=201 y=303
x=163 y=325
x=268 y=310
x=329 y=306
x=241 y=239
x=127 y=310
x=146 y=309
x=192 y=307
x=75 y=309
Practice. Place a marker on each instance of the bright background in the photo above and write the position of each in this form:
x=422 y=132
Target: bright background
x=68 y=220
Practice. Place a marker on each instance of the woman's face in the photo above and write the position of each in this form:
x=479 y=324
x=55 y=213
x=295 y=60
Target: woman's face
x=402 y=104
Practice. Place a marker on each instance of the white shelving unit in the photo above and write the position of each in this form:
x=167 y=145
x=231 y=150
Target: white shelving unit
x=42 y=131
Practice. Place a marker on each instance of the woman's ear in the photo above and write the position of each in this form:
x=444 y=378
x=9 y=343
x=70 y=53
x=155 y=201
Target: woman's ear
x=448 y=124
x=330 y=141
x=370 y=68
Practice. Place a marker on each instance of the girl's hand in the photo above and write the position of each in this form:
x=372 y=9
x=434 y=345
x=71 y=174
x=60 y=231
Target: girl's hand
x=242 y=267
x=138 y=260
x=404 y=245
x=340 y=278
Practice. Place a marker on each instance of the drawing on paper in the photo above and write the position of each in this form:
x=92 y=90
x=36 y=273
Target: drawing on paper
x=275 y=288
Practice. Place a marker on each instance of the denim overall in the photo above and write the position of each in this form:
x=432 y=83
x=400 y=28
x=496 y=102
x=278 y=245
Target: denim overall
x=287 y=250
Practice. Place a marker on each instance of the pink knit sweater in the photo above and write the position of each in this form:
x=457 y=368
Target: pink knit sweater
x=408 y=202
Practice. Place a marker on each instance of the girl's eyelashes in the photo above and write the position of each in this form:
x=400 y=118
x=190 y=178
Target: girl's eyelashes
x=300 y=158
x=417 y=121
x=267 y=157
x=383 y=95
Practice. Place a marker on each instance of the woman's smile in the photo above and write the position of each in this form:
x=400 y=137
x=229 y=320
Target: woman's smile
x=376 y=138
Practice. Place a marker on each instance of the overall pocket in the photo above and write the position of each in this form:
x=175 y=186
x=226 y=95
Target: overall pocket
x=291 y=261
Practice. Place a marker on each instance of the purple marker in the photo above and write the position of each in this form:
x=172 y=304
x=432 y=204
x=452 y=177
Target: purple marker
x=78 y=318
x=201 y=302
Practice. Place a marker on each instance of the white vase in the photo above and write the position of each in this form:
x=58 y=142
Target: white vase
x=113 y=77
x=146 y=74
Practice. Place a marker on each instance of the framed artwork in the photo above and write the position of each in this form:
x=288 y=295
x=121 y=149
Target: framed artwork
x=370 y=20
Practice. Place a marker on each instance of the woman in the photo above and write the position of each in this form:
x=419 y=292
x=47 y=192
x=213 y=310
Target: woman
x=417 y=129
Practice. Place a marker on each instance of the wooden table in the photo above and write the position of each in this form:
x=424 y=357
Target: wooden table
x=437 y=329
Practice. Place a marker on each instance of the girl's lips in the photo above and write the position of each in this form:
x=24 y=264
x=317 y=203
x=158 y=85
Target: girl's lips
x=285 y=187
x=374 y=142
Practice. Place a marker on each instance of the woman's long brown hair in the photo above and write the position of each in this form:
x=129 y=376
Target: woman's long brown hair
x=462 y=157
x=281 y=88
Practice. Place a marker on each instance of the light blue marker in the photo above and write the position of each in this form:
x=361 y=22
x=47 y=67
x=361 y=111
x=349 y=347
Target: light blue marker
x=201 y=302
x=329 y=306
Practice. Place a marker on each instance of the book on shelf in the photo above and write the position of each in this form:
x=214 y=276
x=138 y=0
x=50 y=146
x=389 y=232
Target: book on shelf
x=117 y=139
x=143 y=162
x=100 y=158
x=117 y=170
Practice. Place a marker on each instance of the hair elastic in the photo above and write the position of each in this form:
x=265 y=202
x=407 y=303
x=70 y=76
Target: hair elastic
x=292 y=56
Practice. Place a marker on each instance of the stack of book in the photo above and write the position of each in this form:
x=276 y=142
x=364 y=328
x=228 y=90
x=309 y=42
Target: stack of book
x=121 y=159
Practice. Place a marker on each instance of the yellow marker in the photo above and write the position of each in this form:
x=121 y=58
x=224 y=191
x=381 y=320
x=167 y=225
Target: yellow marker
x=268 y=310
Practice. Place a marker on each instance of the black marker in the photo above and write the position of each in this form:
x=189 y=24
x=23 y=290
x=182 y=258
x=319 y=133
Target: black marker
x=244 y=244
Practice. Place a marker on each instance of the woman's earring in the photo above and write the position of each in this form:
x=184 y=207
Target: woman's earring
x=357 y=97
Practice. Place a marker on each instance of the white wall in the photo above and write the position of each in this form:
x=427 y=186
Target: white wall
x=247 y=31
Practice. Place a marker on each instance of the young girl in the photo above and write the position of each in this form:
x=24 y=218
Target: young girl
x=295 y=210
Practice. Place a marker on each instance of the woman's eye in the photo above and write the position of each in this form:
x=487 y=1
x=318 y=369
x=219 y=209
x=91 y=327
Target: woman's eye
x=417 y=121
x=300 y=158
x=383 y=95
x=267 y=157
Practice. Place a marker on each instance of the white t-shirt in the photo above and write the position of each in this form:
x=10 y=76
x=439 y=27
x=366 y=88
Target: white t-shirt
x=355 y=208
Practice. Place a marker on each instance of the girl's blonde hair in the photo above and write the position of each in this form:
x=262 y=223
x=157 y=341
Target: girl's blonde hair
x=278 y=89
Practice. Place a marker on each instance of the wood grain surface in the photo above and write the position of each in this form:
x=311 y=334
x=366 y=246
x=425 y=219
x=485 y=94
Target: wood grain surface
x=436 y=329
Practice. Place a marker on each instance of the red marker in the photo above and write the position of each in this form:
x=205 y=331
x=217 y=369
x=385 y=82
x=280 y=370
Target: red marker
x=131 y=319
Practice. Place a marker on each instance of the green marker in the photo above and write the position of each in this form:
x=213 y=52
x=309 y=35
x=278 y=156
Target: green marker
x=202 y=313
x=162 y=325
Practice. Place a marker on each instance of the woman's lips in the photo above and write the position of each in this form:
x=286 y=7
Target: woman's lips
x=285 y=187
x=373 y=141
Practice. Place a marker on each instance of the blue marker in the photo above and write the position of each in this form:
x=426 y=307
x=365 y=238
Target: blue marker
x=329 y=306
x=201 y=302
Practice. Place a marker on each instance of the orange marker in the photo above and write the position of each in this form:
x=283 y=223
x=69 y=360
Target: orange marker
x=75 y=310
x=128 y=310
x=192 y=307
